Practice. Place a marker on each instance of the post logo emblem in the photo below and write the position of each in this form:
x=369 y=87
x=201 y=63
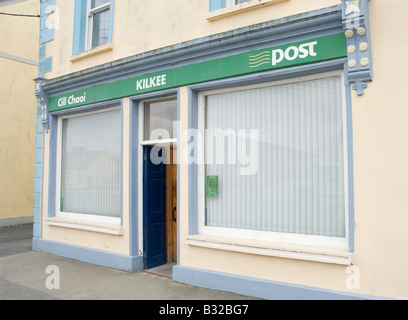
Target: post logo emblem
x=276 y=56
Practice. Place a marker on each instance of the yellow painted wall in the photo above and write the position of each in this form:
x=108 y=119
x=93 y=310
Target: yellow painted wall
x=18 y=37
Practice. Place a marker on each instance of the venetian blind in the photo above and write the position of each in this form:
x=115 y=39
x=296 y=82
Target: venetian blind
x=91 y=164
x=296 y=180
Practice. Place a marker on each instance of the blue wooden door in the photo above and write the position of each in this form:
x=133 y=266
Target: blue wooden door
x=154 y=215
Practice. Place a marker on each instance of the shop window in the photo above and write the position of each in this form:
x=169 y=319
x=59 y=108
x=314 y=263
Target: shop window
x=89 y=165
x=275 y=164
x=93 y=23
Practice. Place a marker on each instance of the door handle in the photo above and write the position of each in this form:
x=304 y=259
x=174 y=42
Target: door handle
x=175 y=214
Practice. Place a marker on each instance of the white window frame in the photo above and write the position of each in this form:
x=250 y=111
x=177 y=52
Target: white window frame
x=232 y=8
x=73 y=215
x=265 y=236
x=230 y=3
x=147 y=142
x=89 y=21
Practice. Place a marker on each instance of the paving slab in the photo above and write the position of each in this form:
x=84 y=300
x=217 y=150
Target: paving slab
x=24 y=276
x=29 y=275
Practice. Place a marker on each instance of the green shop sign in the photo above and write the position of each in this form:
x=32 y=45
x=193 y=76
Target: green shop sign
x=289 y=55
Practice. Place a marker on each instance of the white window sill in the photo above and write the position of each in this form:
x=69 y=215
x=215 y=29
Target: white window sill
x=308 y=253
x=79 y=224
x=92 y=52
x=228 y=11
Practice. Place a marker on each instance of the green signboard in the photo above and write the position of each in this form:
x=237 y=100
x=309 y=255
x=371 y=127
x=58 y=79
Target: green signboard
x=289 y=55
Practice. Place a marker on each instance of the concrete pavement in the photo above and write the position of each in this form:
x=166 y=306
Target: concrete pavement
x=24 y=276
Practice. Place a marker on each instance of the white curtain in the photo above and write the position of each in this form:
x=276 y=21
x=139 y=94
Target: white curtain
x=296 y=181
x=91 y=164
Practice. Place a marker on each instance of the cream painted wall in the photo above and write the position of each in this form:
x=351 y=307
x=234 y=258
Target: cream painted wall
x=380 y=177
x=18 y=37
x=139 y=26
x=381 y=157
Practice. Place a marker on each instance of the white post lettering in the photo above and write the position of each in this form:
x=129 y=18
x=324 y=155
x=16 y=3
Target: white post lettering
x=304 y=52
x=311 y=48
x=295 y=51
x=276 y=60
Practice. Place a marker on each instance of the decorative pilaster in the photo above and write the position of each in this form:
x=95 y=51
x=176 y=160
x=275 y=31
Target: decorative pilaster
x=42 y=126
x=42 y=100
x=48 y=22
x=355 y=20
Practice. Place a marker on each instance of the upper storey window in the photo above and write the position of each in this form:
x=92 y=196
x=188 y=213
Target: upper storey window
x=220 y=4
x=224 y=8
x=93 y=24
x=98 y=23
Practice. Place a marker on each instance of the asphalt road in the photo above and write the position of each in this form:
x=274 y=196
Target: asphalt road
x=15 y=239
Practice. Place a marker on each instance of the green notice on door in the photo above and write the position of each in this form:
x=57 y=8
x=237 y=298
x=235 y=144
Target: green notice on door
x=212 y=186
